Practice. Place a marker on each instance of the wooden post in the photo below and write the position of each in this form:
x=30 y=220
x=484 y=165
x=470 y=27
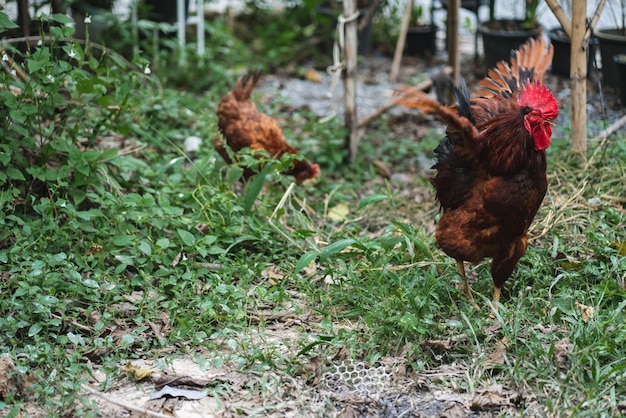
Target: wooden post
x=350 y=49
x=452 y=31
x=579 y=34
x=404 y=27
x=578 y=75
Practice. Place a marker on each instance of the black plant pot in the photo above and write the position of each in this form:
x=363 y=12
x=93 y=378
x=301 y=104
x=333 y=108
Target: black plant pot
x=620 y=65
x=612 y=42
x=563 y=52
x=502 y=37
x=164 y=10
x=421 y=40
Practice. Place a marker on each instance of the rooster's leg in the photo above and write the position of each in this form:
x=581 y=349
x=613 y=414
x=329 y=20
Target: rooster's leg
x=461 y=269
x=496 y=296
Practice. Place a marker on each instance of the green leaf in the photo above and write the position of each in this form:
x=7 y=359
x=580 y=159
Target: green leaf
x=6 y=23
x=35 y=65
x=108 y=154
x=123 y=240
x=305 y=260
x=145 y=248
x=15 y=174
x=34 y=329
x=187 y=237
x=163 y=243
x=254 y=188
x=61 y=18
x=336 y=247
x=233 y=174
x=89 y=214
x=371 y=199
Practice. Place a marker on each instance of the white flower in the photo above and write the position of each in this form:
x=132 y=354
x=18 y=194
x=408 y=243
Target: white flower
x=39 y=42
x=13 y=72
x=87 y=19
x=72 y=53
x=51 y=78
x=147 y=70
x=5 y=57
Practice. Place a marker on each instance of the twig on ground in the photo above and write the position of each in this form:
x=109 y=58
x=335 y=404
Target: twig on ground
x=123 y=405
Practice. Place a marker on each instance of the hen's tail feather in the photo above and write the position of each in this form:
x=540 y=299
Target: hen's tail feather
x=414 y=98
x=529 y=62
x=463 y=102
x=245 y=85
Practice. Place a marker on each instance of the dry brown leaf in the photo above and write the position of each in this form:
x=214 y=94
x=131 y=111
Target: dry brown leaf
x=11 y=380
x=437 y=344
x=587 y=312
x=381 y=169
x=274 y=275
x=491 y=397
x=315 y=371
x=341 y=354
x=139 y=373
x=498 y=356
x=338 y=212
x=177 y=259
x=561 y=349
x=311 y=75
x=454 y=411
x=348 y=412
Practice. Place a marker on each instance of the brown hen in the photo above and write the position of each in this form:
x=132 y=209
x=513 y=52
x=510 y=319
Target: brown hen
x=243 y=126
x=491 y=165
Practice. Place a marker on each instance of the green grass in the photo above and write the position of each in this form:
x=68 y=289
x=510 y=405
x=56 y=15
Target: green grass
x=110 y=256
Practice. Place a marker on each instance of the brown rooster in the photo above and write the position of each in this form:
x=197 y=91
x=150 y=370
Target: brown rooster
x=243 y=126
x=491 y=165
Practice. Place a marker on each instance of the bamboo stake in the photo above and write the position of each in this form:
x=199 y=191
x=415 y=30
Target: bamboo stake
x=560 y=15
x=610 y=130
x=579 y=34
x=349 y=81
x=454 y=54
x=404 y=27
x=578 y=75
x=566 y=24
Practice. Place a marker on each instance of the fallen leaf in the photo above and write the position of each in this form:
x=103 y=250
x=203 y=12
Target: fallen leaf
x=348 y=412
x=11 y=380
x=438 y=344
x=273 y=274
x=561 y=349
x=177 y=259
x=341 y=354
x=587 y=312
x=311 y=75
x=491 y=397
x=338 y=212
x=498 y=356
x=175 y=392
x=454 y=411
x=381 y=169
x=139 y=373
